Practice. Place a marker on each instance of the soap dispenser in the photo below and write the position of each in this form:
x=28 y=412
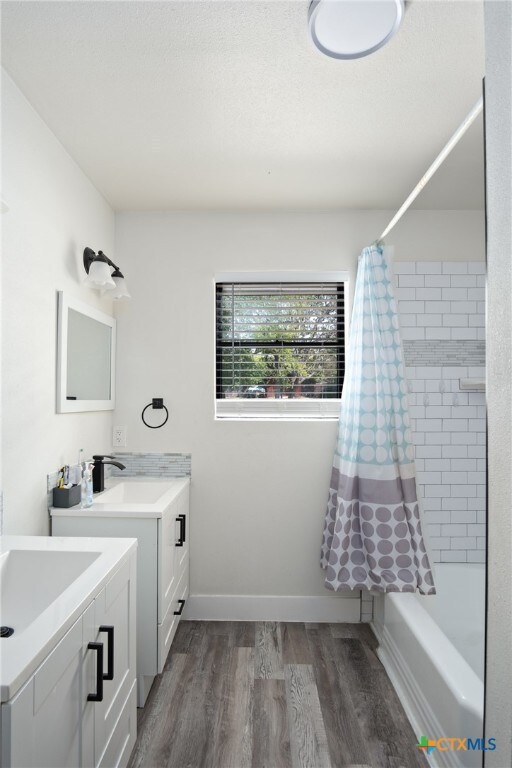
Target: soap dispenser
x=87 y=499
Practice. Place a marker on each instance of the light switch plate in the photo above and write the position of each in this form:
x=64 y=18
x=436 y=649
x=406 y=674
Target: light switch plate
x=119 y=437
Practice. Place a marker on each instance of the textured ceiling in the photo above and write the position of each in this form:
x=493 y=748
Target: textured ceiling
x=213 y=104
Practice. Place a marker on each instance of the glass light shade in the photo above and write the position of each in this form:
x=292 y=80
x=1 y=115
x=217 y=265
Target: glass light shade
x=351 y=29
x=120 y=291
x=100 y=275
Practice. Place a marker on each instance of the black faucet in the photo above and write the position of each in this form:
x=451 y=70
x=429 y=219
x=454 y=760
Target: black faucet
x=98 y=471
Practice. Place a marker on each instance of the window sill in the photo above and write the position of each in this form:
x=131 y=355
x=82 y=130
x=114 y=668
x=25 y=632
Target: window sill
x=277 y=410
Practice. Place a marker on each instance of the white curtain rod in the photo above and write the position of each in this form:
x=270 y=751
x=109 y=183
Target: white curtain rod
x=453 y=141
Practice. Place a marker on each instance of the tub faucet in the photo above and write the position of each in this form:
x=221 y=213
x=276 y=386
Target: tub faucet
x=98 y=471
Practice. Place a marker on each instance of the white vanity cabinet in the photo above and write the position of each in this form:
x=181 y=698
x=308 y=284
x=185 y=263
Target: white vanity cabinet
x=173 y=576
x=162 y=530
x=51 y=722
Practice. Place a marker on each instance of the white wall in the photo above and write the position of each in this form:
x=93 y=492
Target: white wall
x=259 y=489
x=54 y=212
x=498 y=88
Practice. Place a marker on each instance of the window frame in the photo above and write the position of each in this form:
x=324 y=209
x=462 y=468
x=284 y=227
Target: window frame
x=283 y=409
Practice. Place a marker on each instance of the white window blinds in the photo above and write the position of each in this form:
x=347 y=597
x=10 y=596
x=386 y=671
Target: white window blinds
x=280 y=348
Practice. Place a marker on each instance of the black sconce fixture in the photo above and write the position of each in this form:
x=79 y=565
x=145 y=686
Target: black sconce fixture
x=104 y=275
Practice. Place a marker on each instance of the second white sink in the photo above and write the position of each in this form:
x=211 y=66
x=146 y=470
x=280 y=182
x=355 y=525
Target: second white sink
x=31 y=579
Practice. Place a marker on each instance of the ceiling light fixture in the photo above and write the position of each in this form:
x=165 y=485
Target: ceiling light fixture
x=104 y=275
x=351 y=29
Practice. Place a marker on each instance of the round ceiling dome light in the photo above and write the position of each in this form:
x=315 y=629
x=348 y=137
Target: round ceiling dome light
x=351 y=29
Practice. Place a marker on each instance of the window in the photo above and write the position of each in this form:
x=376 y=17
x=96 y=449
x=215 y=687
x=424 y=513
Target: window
x=280 y=348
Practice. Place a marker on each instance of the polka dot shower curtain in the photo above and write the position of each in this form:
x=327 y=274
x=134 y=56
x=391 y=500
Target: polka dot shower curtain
x=373 y=534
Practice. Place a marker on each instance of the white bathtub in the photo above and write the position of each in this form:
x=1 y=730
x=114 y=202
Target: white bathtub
x=433 y=651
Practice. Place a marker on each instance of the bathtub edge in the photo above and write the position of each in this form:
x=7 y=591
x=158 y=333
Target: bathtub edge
x=419 y=712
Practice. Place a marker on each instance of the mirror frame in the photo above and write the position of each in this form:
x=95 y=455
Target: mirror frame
x=65 y=303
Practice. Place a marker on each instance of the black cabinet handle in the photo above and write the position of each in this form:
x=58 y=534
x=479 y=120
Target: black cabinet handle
x=182 y=520
x=98 y=696
x=180 y=609
x=109 y=674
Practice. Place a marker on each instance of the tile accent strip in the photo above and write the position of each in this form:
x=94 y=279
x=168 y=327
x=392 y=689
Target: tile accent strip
x=437 y=352
x=153 y=464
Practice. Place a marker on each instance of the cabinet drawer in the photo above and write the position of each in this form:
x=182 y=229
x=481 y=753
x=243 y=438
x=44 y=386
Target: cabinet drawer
x=122 y=740
x=167 y=629
x=114 y=607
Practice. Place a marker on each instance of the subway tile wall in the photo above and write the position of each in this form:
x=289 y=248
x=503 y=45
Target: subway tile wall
x=442 y=319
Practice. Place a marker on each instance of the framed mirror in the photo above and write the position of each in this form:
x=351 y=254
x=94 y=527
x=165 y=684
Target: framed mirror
x=86 y=353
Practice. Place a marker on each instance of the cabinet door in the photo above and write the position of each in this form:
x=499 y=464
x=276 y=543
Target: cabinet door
x=183 y=512
x=173 y=549
x=167 y=538
x=89 y=686
x=42 y=723
x=114 y=615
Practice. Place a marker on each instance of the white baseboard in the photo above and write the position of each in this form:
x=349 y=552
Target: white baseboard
x=272 y=608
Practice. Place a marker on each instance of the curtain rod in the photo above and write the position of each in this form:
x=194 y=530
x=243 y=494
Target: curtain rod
x=452 y=142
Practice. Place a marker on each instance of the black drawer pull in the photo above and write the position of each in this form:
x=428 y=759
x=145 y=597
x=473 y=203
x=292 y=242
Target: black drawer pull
x=181 y=519
x=98 y=696
x=180 y=609
x=109 y=674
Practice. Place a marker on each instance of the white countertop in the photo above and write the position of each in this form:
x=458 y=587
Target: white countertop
x=23 y=652
x=104 y=506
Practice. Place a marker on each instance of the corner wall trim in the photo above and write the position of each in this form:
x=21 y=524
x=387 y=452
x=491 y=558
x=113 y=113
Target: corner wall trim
x=272 y=608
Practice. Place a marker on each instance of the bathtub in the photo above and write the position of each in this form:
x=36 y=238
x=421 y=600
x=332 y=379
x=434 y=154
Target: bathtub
x=433 y=651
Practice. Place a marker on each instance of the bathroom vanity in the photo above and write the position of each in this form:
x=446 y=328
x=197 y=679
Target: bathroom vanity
x=67 y=671
x=156 y=512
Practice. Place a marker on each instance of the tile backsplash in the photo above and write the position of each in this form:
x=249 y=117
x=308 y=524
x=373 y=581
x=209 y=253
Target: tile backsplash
x=442 y=319
x=153 y=464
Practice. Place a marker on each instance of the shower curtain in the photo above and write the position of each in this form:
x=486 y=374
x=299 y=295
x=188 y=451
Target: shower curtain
x=373 y=534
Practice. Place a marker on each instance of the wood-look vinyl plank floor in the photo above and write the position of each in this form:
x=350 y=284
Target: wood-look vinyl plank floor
x=346 y=746
x=269 y=654
x=270 y=731
x=274 y=695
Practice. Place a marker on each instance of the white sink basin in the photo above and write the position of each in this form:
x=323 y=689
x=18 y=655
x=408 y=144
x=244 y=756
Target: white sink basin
x=130 y=497
x=30 y=580
x=46 y=583
x=134 y=492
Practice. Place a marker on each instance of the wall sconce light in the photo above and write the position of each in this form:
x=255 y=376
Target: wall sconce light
x=104 y=275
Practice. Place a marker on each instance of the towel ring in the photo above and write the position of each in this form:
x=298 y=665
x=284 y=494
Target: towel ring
x=159 y=407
